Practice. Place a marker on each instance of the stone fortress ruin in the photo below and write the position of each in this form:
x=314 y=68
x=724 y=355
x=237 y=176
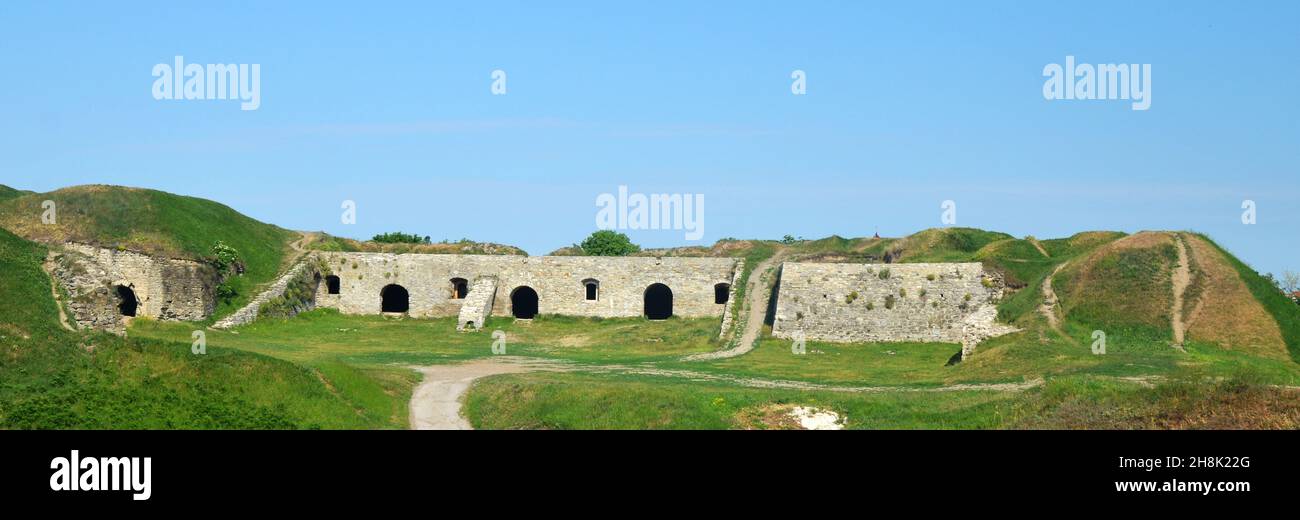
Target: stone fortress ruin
x=832 y=302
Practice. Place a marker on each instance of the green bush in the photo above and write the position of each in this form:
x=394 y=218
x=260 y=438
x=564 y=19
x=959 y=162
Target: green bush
x=398 y=237
x=607 y=242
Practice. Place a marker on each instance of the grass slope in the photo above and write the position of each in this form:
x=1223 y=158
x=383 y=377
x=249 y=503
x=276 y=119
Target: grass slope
x=1281 y=308
x=52 y=378
x=155 y=223
x=7 y=193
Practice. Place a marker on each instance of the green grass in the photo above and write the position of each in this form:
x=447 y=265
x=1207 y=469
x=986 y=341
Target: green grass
x=52 y=378
x=153 y=222
x=7 y=193
x=378 y=341
x=1129 y=290
x=864 y=364
x=586 y=401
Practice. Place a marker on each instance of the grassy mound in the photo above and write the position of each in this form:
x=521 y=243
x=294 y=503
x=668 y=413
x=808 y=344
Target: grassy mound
x=1282 y=309
x=155 y=223
x=945 y=244
x=53 y=378
x=1125 y=287
x=7 y=193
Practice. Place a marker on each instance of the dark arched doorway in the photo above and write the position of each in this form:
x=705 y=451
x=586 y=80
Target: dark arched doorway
x=395 y=299
x=721 y=292
x=332 y=284
x=459 y=288
x=658 y=302
x=523 y=302
x=126 y=302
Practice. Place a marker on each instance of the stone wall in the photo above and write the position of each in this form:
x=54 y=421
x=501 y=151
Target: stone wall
x=940 y=302
x=303 y=268
x=165 y=288
x=557 y=280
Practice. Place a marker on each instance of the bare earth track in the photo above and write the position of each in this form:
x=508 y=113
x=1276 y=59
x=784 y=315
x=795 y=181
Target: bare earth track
x=756 y=301
x=1182 y=278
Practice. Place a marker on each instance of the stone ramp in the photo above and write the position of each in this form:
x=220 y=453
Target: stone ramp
x=249 y=312
x=478 y=304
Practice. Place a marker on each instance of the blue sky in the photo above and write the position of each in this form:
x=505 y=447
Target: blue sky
x=389 y=105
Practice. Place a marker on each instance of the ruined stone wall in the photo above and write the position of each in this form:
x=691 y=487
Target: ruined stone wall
x=557 y=280
x=165 y=288
x=848 y=302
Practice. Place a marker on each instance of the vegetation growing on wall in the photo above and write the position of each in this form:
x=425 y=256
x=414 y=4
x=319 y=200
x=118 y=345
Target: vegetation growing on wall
x=300 y=294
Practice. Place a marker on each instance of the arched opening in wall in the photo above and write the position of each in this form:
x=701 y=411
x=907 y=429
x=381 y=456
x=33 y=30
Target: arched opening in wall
x=459 y=288
x=394 y=298
x=721 y=292
x=332 y=284
x=126 y=302
x=591 y=289
x=658 y=302
x=523 y=302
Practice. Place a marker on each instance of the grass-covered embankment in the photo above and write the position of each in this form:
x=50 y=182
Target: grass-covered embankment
x=53 y=378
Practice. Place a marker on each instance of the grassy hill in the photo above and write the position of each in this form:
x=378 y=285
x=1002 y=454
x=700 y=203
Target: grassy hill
x=53 y=378
x=7 y=193
x=152 y=222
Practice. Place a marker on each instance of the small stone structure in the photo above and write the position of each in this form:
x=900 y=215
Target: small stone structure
x=250 y=312
x=478 y=304
x=99 y=282
x=939 y=302
x=559 y=281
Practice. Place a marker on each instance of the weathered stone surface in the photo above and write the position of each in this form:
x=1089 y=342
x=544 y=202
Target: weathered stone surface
x=557 y=280
x=942 y=302
x=727 y=316
x=249 y=312
x=478 y=304
x=165 y=288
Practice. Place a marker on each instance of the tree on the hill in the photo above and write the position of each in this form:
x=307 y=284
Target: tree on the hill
x=398 y=237
x=1290 y=281
x=608 y=242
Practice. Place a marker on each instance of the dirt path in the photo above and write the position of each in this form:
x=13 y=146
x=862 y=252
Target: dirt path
x=435 y=403
x=1048 y=308
x=437 y=400
x=1182 y=278
x=1039 y=247
x=54 y=291
x=757 y=299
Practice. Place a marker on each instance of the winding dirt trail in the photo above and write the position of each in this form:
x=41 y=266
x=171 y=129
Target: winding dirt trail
x=435 y=403
x=757 y=299
x=1048 y=308
x=1039 y=247
x=1182 y=278
x=54 y=291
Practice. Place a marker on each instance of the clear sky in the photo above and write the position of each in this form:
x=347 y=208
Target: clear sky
x=390 y=105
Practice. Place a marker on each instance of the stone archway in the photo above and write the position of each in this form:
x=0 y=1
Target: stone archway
x=658 y=302
x=721 y=292
x=523 y=302
x=127 y=303
x=331 y=284
x=394 y=298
